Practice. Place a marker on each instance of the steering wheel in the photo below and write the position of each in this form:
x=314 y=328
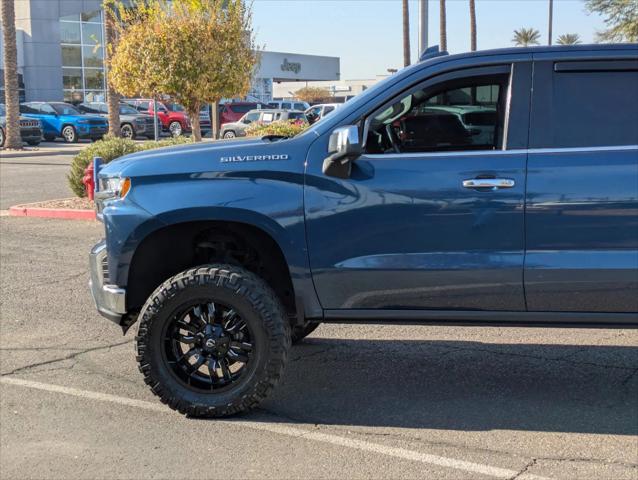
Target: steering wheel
x=392 y=136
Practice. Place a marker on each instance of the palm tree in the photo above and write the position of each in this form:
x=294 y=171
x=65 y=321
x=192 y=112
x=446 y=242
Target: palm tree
x=526 y=37
x=112 y=97
x=442 y=26
x=11 y=94
x=568 y=39
x=472 y=26
x=406 y=34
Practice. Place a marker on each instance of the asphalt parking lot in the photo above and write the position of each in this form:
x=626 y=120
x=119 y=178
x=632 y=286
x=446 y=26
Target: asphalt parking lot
x=356 y=401
x=39 y=174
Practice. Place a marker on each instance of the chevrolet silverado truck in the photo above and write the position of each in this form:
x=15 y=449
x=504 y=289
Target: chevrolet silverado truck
x=394 y=208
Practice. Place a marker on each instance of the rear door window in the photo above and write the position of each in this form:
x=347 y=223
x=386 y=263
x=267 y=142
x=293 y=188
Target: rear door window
x=300 y=106
x=584 y=104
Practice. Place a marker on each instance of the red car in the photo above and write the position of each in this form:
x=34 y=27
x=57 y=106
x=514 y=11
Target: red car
x=232 y=112
x=174 y=122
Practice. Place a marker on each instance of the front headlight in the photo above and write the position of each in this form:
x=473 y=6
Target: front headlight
x=114 y=187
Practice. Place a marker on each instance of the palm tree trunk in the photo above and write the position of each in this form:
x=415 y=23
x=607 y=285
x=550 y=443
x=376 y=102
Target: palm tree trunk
x=112 y=97
x=406 y=34
x=11 y=93
x=442 y=26
x=472 y=26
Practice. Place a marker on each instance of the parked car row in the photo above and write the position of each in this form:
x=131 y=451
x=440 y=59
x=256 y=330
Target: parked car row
x=174 y=120
x=132 y=123
x=88 y=120
x=30 y=129
x=66 y=121
x=266 y=116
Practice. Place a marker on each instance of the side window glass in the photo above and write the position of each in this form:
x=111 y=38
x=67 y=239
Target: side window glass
x=300 y=106
x=251 y=117
x=28 y=109
x=327 y=110
x=595 y=108
x=286 y=105
x=143 y=106
x=47 y=109
x=464 y=114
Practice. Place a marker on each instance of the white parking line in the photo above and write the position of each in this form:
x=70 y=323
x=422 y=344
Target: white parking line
x=280 y=429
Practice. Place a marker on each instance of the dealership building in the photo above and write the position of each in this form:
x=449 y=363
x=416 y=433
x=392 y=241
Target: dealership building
x=61 y=55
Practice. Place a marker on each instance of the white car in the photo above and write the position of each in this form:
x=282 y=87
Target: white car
x=289 y=105
x=317 y=112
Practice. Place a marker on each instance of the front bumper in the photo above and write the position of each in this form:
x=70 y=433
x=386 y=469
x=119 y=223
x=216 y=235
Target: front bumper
x=92 y=131
x=110 y=300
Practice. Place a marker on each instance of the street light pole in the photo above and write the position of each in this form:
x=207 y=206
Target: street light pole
x=423 y=26
x=551 y=20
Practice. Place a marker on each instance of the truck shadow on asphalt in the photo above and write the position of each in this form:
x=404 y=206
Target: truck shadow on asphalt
x=460 y=385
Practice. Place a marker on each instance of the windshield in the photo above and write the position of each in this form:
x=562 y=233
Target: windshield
x=128 y=110
x=65 y=109
x=2 y=110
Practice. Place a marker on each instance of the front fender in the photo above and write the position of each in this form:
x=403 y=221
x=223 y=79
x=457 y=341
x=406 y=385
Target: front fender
x=271 y=202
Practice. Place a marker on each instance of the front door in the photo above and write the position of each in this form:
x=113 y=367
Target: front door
x=432 y=215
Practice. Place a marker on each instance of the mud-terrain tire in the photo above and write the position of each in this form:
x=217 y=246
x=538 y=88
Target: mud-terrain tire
x=228 y=288
x=299 y=332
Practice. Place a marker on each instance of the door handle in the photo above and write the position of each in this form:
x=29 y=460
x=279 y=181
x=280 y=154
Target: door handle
x=491 y=183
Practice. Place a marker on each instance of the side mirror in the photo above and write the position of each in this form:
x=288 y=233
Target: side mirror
x=343 y=148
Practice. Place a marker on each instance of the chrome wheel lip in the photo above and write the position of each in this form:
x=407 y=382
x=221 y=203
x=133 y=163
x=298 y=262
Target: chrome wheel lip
x=127 y=131
x=175 y=128
x=68 y=133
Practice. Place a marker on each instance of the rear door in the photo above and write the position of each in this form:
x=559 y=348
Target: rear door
x=582 y=186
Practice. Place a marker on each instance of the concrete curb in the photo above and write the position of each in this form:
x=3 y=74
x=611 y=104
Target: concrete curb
x=59 y=213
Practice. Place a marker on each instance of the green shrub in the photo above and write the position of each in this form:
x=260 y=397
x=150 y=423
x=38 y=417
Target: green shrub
x=109 y=149
x=288 y=128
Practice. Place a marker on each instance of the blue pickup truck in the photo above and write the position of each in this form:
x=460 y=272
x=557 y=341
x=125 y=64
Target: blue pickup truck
x=497 y=187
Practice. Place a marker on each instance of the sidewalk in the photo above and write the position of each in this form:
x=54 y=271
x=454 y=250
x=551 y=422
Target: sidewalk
x=46 y=149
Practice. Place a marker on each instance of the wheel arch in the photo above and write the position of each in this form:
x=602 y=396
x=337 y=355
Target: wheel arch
x=176 y=246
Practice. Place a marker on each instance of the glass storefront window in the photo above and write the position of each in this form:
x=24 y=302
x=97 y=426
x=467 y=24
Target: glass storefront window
x=95 y=96
x=72 y=78
x=93 y=56
x=92 y=33
x=73 y=96
x=69 y=32
x=82 y=56
x=93 y=79
x=71 y=56
x=93 y=16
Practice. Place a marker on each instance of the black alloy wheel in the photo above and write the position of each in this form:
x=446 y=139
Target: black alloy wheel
x=213 y=340
x=208 y=346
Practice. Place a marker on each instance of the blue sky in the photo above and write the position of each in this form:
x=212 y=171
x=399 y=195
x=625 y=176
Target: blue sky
x=366 y=34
